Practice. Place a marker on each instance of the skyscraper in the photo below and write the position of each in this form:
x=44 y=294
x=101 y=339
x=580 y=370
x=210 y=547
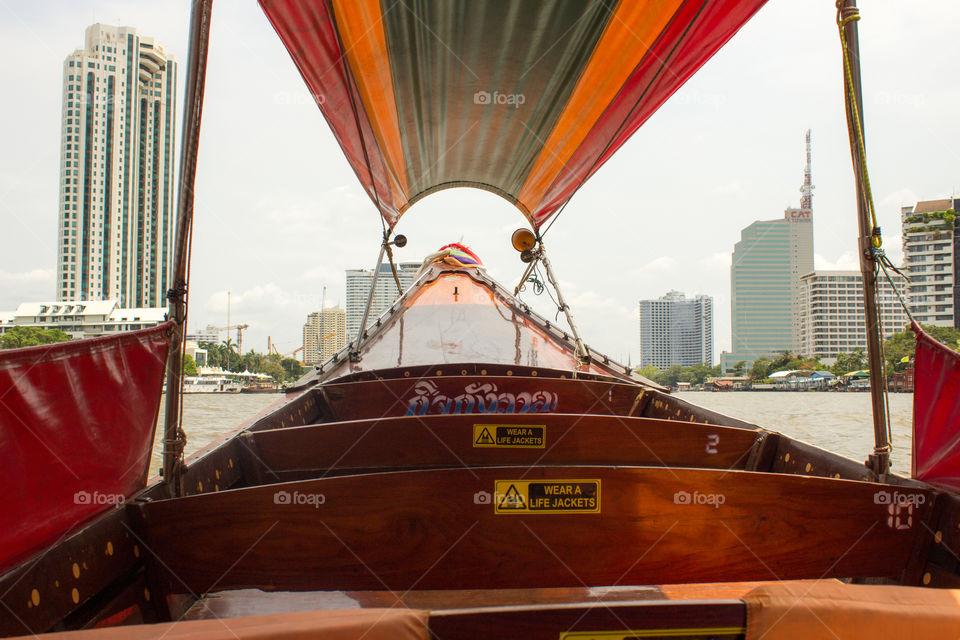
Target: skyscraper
x=115 y=236
x=324 y=334
x=931 y=256
x=765 y=293
x=833 y=320
x=358 y=289
x=676 y=330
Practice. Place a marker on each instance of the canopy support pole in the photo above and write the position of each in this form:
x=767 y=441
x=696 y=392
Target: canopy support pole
x=582 y=356
x=174 y=439
x=879 y=460
x=355 y=349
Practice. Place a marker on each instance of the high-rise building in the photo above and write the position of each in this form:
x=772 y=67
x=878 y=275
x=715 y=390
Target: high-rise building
x=765 y=292
x=833 y=322
x=115 y=236
x=676 y=330
x=358 y=289
x=324 y=334
x=931 y=256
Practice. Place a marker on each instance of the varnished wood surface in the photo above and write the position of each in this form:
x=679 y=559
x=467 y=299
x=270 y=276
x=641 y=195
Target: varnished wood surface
x=437 y=441
x=693 y=620
x=437 y=530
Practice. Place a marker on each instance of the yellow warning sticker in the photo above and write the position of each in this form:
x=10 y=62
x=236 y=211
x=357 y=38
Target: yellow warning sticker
x=546 y=496
x=712 y=632
x=510 y=436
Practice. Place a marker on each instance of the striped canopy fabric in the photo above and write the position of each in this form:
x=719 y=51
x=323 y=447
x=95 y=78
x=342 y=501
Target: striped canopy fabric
x=524 y=98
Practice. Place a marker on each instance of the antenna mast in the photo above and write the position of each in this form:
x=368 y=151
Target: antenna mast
x=806 y=202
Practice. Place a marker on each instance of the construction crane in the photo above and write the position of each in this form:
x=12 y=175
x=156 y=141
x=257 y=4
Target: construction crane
x=239 y=328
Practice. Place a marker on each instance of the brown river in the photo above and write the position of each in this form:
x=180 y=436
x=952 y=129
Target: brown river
x=839 y=422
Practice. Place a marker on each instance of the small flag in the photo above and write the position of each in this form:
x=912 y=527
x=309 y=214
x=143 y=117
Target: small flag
x=905 y=359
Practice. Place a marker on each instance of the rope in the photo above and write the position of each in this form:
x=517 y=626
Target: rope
x=393 y=267
x=879 y=258
x=842 y=22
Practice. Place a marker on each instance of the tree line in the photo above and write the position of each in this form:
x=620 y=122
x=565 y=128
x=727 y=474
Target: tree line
x=226 y=356
x=898 y=351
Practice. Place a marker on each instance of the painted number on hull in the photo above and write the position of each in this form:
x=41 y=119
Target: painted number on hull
x=712 y=441
x=546 y=496
x=509 y=436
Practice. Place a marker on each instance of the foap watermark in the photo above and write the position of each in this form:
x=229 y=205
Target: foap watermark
x=482 y=497
x=897 y=498
x=297 y=498
x=712 y=499
x=497 y=98
x=97 y=498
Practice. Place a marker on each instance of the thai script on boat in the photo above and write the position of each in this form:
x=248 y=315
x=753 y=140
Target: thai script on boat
x=478 y=397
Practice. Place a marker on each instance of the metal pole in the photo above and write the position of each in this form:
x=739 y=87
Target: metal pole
x=355 y=350
x=879 y=461
x=174 y=438
x=581 y=355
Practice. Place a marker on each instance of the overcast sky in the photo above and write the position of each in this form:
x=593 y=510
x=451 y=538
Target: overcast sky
x=280 y=215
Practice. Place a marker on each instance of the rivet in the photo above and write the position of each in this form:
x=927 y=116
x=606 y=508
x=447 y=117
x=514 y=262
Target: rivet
x=483 y=372
x=109 y=548
x=808 y=467
x=938 y=536
x=136 y=551
x=509 y=372
x=76 y=570
x=146 y=593
x=786 y=458
x=463 y=372
x=75 y=595
x=35 y=598
x=563 y=376
x=926 y=578
x=439 y=372
x=406 y=374
x=533 y=373
x=836 y=475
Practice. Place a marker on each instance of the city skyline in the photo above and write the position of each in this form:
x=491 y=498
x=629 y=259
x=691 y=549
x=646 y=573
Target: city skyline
x=280 y=214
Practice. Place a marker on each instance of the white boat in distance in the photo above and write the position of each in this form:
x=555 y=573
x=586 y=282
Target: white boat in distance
x=210 y=384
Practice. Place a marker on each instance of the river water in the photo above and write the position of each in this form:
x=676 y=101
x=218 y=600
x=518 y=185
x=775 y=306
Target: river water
x=838 y=422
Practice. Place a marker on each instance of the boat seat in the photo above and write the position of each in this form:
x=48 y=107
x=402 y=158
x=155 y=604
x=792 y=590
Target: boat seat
x=433 y=441
x=531 y=527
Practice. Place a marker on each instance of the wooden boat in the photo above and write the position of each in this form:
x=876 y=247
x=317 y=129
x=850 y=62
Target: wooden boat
x=468 y=469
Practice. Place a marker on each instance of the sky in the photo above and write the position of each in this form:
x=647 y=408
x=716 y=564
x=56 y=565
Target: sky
x=279 y=214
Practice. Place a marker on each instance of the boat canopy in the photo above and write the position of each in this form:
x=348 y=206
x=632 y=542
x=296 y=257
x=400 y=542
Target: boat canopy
x=525 y=99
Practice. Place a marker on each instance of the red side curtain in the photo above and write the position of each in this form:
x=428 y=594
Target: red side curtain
x=76 y=432
x=936 y=412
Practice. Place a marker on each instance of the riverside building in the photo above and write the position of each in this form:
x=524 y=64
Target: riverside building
x=676 y=330
x=81 y=319
x=832 y=320
x=116 y=224
x=324 y=333
x=765 y=291
x=931 y=256
x=358 y=289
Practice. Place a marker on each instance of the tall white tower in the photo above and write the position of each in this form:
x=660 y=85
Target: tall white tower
x=115 y=236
